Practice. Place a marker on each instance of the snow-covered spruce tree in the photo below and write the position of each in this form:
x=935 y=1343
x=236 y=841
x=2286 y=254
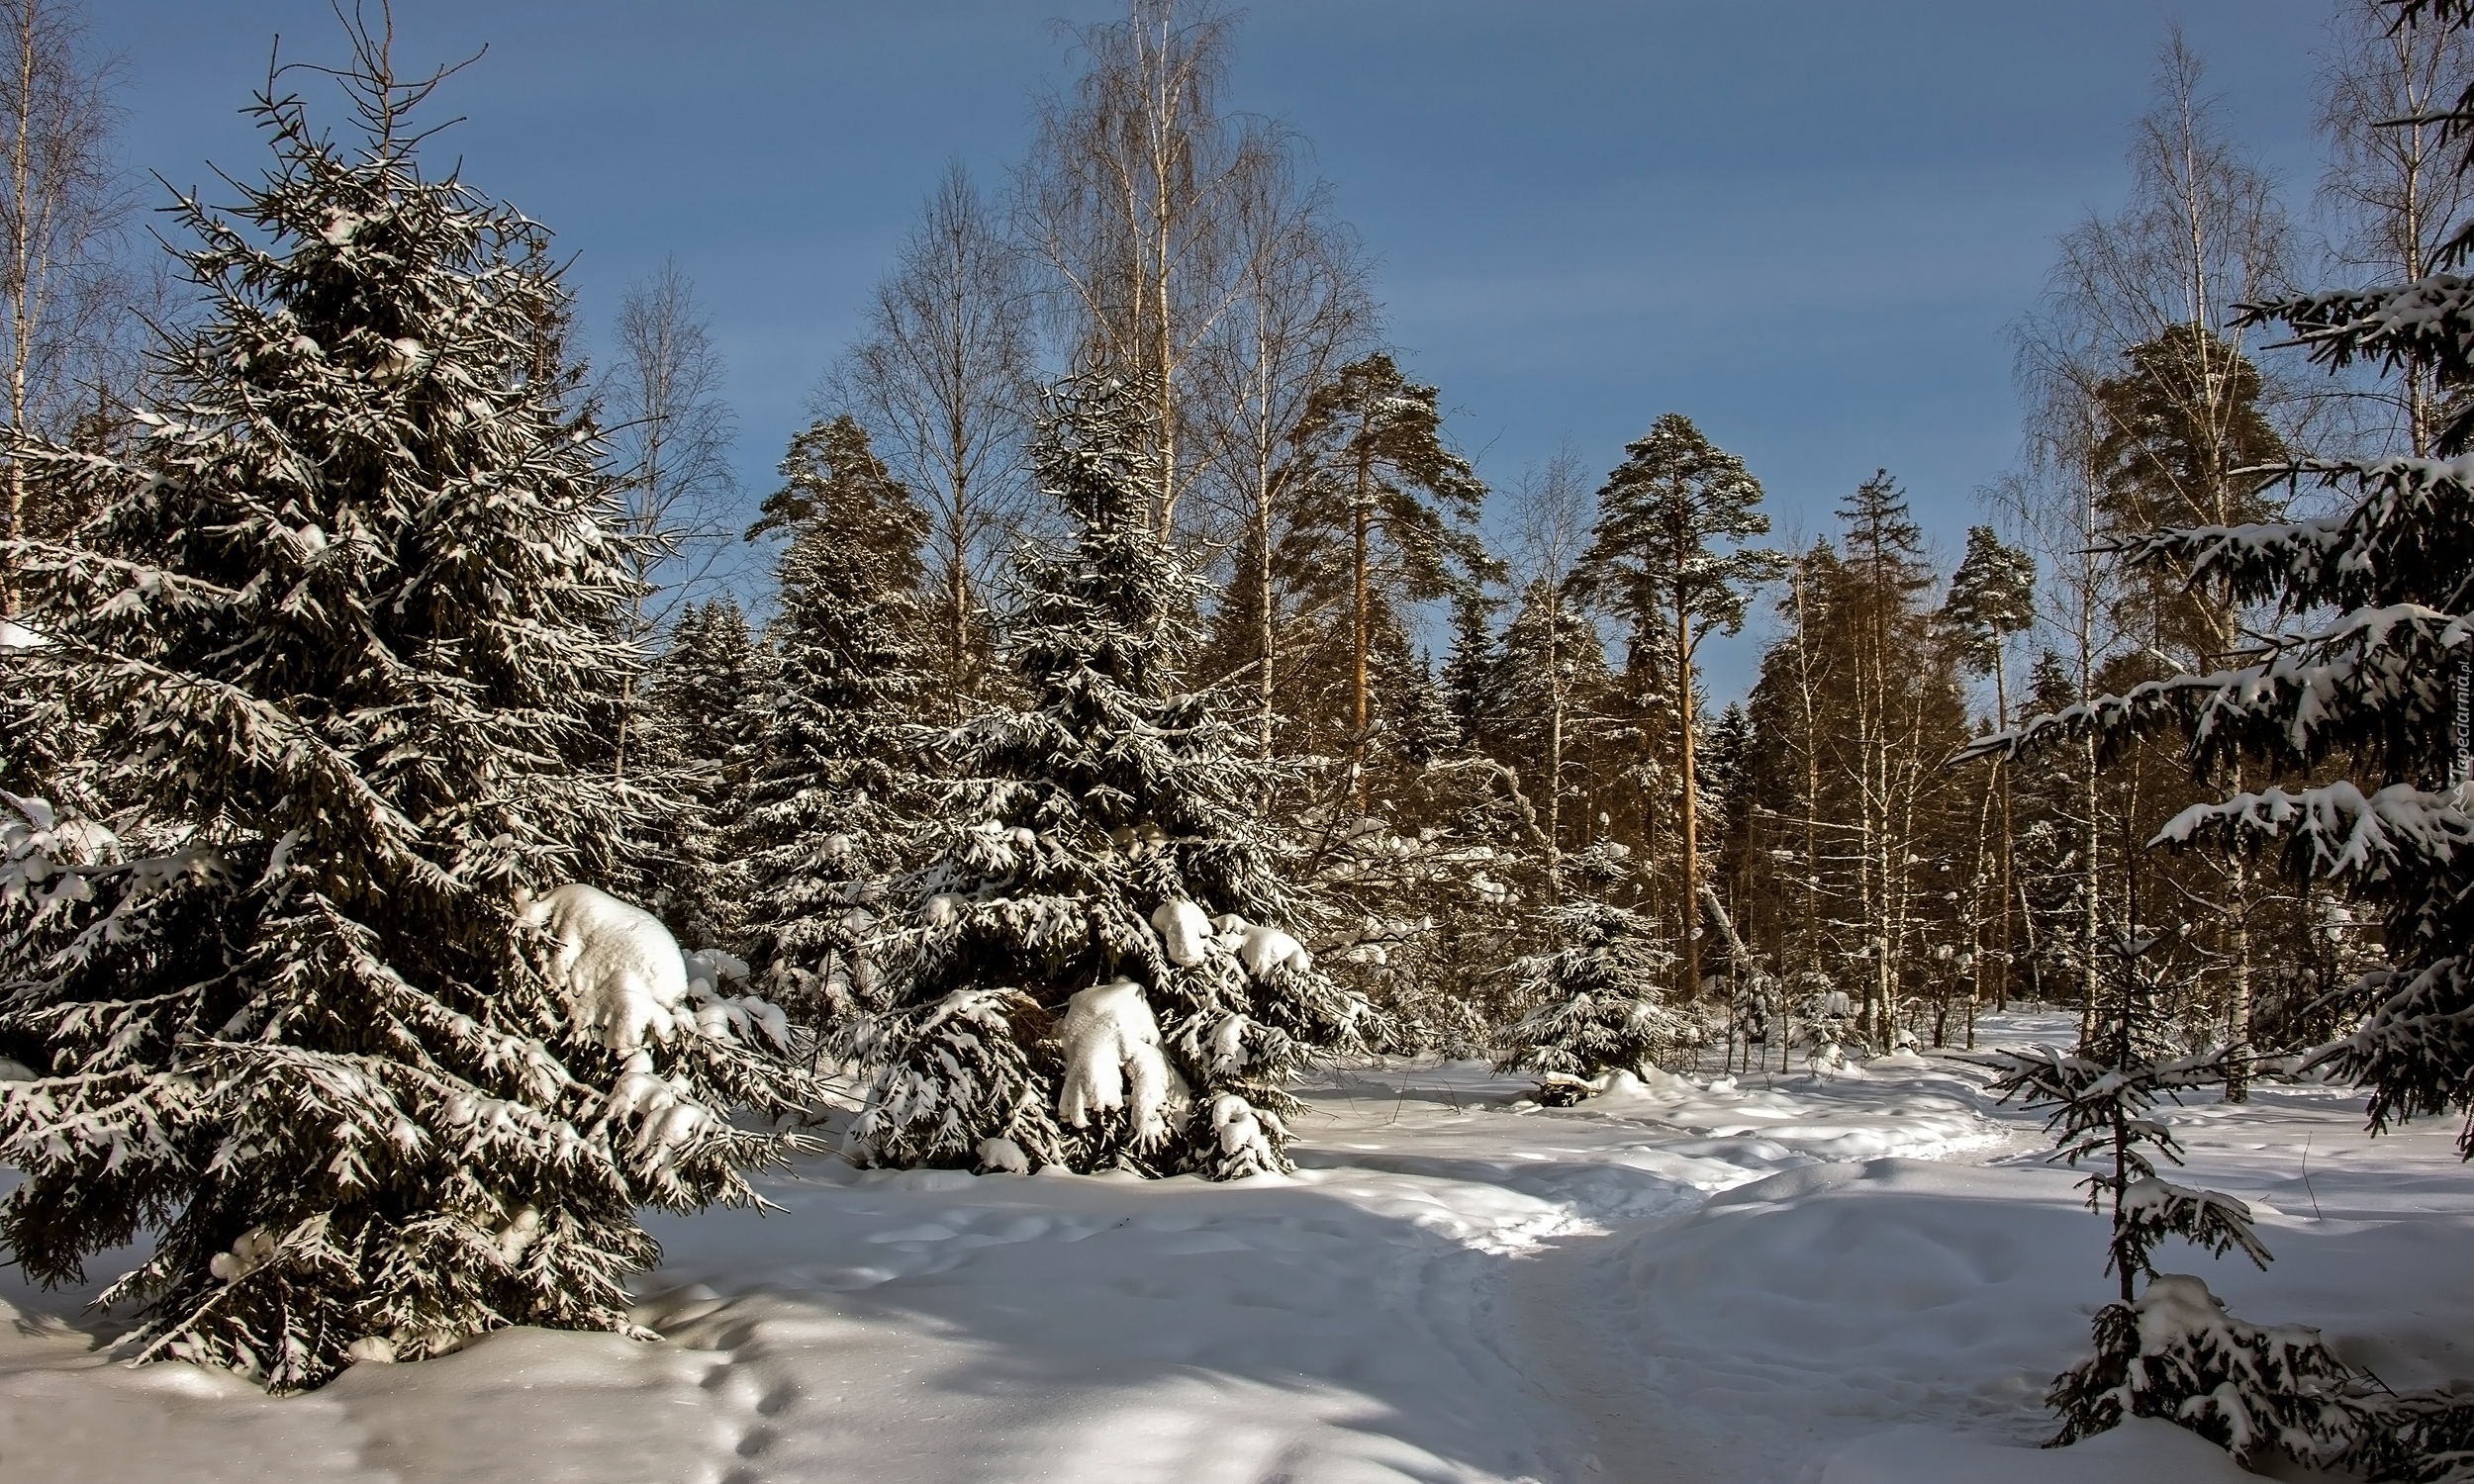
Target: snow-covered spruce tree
x=1596 y=1001
x=2168 y=1348
x=689 y=748
x=2102 y=1097
x=347 y=619
x=832 y=800
x=1101 y=962
x=2174 y=1353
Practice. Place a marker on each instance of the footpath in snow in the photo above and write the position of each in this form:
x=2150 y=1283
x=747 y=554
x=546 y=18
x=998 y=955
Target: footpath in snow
x=1780 y=1278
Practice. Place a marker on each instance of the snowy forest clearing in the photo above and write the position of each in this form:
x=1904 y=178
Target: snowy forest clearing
x=1864 y=1280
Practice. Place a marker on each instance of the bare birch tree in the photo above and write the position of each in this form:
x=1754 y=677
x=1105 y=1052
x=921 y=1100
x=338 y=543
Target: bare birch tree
x=943 y=377
x=2147 y=295
x=2137 y=341
x=1551 y=512
x=1131 y=196
x=1298 y=311
x=671 y=434
x=2392 y=190
x=61 y=220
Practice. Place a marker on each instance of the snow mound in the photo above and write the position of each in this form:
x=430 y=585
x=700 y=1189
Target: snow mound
x=1110 y=1038
x=403 y=358
x=1263 y=949
x=665 y=1115
x=620 y=969
x=1185 y=933
x=1451 y=1290
x=1245 y=1149
x=1650 y=1084
x=626 y=981
x=251 y=1251
x=713 y=968
x=1228 y=1045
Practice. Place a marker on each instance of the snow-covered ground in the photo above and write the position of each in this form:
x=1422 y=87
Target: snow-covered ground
x=1860 y=1280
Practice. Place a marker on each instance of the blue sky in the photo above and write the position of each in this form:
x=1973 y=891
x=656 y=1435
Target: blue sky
x=1805 y=223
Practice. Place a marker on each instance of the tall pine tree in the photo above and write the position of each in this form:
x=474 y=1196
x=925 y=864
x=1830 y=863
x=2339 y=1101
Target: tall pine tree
x=1384 y=480
x=1669 y=554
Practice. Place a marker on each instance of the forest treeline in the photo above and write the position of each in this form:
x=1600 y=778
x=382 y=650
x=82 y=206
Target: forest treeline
x=1461 y=709
x=1457 y=712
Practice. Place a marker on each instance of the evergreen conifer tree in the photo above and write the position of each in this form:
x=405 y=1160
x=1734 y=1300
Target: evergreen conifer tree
x=2369 y=670
x=1469 y=669
x=1669 y=553
x=1596 y=1001
x=1413 y=723
x=1401 y=872
x=2168 y=1348
x=691 y=748
x=1992 y=595
x=1991 y=598
x=1403 y=500
x=1101 y=960
x=2185 y=444
x=2357 y=688
x=831 y=797
x=348 y=619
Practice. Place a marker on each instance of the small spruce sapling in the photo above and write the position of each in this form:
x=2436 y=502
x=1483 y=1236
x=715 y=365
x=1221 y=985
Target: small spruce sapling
x=2170 y=1350
x=1597 y=1000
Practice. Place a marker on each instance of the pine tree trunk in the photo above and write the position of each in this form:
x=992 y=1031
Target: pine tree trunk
x=2001 y=983
x=2237 y=1006
x=1692 y=802
x=1359 y=640
x=1976 y=952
